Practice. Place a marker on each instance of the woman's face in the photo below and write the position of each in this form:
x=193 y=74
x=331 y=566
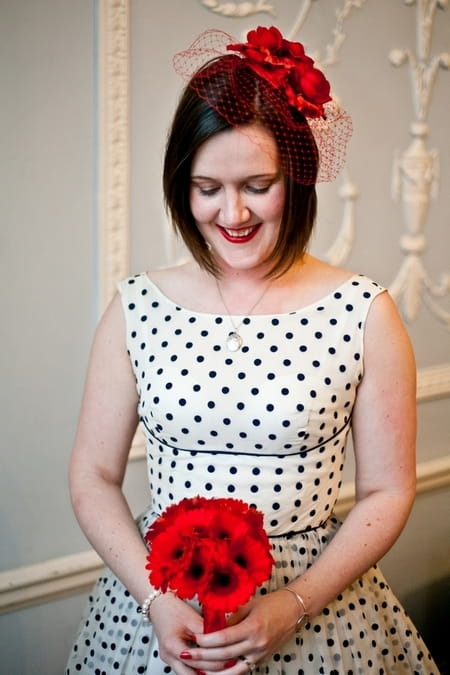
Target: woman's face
x=237 y=196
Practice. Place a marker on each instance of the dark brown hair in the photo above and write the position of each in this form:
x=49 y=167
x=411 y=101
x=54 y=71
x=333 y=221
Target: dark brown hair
x=195 y=121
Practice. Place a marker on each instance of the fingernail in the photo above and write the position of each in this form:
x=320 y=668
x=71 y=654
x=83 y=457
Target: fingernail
x=230 y=663
x=186 y=655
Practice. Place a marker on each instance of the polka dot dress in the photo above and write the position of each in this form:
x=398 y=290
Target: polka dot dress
x=266 y=424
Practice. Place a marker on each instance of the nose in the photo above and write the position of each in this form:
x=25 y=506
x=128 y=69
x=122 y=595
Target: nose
x=234 y=210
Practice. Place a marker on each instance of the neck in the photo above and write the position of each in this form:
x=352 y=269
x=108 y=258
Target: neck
x=244 y=281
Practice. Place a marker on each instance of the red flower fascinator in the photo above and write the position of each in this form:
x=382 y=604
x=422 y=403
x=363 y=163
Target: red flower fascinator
x=271 y=80
x=214 y=549
x=285 y=65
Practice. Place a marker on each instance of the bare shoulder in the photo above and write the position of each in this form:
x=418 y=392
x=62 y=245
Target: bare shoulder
x=384 y=320
x=185 y=284
x=167 y=277
x=112 y=319
x=388 y=346
x=109 y=348
x=319 y=278
x=329 y=274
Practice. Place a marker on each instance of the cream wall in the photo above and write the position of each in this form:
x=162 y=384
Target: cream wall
x=87 y=91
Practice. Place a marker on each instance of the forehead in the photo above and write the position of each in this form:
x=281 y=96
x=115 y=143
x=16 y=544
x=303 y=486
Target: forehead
x=248 y=149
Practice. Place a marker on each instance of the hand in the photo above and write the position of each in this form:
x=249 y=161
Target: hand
x=175 y=623
x=255 y=632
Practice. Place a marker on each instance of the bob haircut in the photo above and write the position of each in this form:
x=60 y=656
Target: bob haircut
x=196 y=120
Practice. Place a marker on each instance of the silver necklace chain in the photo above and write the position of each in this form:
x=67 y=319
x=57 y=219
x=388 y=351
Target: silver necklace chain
x=234 y=340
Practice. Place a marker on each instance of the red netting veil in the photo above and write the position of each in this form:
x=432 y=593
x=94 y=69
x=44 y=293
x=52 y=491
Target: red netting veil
x=271 y=80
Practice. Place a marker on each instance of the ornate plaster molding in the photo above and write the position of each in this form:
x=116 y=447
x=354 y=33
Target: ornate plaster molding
x=342 y=13
x=341 y=248
x=43 y=582
x=416 y=172
x=113 y=162
x=433 y=382
x=239 y=9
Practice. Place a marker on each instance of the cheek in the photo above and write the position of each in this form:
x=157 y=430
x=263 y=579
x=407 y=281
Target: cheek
x=274 y=207
x=202 y=210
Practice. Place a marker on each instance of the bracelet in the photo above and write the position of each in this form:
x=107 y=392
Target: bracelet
x=145 y=607
x=304 y=616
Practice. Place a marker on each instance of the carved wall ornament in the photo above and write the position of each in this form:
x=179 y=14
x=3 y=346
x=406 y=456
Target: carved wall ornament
x=332 y=49
x=239 y=9
x=340 y=250
x=416 y=172
x=113 y=160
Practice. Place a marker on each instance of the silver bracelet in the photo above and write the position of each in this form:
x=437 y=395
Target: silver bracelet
x=304 y=616
x=145 y=607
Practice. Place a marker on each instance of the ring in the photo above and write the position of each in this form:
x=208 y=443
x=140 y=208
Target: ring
x=251 y=666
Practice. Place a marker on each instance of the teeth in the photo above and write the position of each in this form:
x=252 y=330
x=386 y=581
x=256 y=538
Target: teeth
x=239 y=233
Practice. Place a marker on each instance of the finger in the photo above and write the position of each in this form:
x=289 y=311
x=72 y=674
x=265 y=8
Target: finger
x=208 y=664
x=228 y=636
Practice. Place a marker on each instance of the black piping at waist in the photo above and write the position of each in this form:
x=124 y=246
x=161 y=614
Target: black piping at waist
x=298 y=452
x=294 y=533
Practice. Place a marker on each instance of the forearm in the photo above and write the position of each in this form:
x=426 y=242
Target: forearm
x=105 y=518
x=368 y=532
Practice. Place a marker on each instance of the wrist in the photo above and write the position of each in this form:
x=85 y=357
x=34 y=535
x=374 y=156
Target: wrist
x=148 y=603
x=303 y=617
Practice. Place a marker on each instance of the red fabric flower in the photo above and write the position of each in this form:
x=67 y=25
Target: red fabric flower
x=286 y=66
x=215 y=549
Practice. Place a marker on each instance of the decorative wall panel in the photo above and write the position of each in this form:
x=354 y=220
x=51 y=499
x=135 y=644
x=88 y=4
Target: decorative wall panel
x=416 y=171
x=113 y=160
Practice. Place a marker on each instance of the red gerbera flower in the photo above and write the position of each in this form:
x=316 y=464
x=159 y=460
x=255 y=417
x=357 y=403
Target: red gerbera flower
x=216 y=549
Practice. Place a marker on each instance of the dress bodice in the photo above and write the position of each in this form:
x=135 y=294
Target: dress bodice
x=267 y=423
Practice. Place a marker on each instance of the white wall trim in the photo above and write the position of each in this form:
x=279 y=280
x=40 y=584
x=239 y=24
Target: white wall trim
x=433 y=382
x=35 y=584
x=114 y=145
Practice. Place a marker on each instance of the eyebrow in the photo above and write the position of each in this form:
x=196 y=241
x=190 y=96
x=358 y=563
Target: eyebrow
x=257 y=176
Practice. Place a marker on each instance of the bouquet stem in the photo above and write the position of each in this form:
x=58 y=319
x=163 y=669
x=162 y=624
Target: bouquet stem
x=213 y=620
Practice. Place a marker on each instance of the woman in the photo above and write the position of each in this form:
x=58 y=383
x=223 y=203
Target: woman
x=246 y=367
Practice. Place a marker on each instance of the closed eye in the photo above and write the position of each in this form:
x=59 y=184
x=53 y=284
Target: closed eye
x=208 y=192
x=258 y=190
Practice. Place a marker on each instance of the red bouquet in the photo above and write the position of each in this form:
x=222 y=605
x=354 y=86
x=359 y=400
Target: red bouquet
x=286 y=66
x=215 y=549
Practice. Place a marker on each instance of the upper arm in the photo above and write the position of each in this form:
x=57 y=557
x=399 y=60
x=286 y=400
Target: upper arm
x=108 y=416
x=384 y=416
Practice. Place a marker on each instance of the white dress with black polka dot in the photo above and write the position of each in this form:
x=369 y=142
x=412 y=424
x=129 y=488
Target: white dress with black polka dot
x=266 y=424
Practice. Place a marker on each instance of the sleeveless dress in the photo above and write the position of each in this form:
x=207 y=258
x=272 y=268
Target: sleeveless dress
x=266 y=424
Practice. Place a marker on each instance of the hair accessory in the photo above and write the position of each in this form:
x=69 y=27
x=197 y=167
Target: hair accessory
x=285 y=65
x=271 y=79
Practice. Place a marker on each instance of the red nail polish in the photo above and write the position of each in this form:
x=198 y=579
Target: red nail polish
x=186 y=655
x=230 y=663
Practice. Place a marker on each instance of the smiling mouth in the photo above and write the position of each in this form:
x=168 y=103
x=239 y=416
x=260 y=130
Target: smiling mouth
x=239 y=236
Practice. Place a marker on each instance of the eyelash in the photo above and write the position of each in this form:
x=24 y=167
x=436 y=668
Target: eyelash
x=210 y=192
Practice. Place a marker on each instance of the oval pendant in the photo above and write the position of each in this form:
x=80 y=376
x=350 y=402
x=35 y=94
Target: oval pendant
x=234 y=342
